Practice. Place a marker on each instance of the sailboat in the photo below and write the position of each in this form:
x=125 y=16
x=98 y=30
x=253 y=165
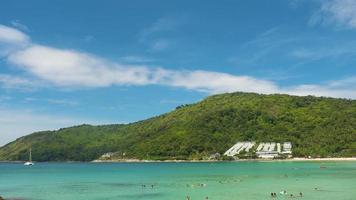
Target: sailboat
x=29 y=163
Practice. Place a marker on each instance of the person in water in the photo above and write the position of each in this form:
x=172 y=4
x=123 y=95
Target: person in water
x=300 y=194
x=283 y=192
x=273 y=194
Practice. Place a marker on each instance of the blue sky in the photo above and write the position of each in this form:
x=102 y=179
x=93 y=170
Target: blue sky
x=71 y=62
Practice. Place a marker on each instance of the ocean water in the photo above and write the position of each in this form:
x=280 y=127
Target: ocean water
x=175 y=181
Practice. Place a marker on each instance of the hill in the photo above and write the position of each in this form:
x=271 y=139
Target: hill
x=317 y=126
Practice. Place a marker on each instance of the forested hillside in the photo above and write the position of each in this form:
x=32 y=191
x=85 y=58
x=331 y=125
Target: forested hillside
x=319 y=127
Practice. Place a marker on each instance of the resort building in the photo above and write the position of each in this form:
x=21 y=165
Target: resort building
x=267 y=150
x=287 y=148
x=239 y=147
x=263 y=150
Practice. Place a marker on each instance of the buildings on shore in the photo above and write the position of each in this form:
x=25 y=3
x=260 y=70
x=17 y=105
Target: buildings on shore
x=239 y=147
x=266 y=150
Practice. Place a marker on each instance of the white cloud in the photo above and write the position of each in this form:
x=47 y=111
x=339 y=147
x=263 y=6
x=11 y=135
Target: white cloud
x=69 y=68
x=16 y=123
x=11 y=82
x=10 y=35
x=73 y=68
x=326 y=90
x=11 y=40
x=341 y=13
x=136 y=59
x=347 y=82
x=215 y=82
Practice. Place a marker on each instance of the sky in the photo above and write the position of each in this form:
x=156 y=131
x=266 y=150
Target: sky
x=64 y=63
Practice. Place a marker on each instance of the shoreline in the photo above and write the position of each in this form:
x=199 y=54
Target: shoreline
x=217 y=161
x=326 y=159
x=197 y=161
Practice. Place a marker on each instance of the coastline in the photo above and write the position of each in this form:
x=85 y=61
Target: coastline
x=200 y=161
x=212 y=161
x=325 y=159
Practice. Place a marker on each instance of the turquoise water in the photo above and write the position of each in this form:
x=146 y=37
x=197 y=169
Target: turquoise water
x=174 y=181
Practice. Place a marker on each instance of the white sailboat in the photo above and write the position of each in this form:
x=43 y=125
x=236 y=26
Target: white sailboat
x=29 y=163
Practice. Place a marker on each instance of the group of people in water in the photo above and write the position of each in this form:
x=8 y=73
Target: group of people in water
x=273 y=194
x=145 y=186
x=188 y=198
x=283 y=192
x=196 y=185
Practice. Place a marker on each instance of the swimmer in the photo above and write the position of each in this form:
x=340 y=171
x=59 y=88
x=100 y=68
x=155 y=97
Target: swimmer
x=300 y=194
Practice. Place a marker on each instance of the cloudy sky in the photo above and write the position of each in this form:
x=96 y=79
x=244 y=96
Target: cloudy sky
x=71 y=62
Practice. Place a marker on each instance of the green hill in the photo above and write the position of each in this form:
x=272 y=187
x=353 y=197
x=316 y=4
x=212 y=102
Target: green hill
x=320 y=127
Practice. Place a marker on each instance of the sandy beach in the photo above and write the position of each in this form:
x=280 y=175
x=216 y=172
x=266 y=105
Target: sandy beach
x=324 y=159
x=240 y=160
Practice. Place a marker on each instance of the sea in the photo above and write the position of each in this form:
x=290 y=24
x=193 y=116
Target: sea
x=244 y=180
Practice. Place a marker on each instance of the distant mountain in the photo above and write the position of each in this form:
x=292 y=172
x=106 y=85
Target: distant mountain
x=319 y=127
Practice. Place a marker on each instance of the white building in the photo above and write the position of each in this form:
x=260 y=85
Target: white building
x=264 y=150
x=239 y=147
x=287 y=148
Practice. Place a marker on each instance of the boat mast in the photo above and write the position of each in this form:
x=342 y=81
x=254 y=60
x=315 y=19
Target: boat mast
x=30 y=154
